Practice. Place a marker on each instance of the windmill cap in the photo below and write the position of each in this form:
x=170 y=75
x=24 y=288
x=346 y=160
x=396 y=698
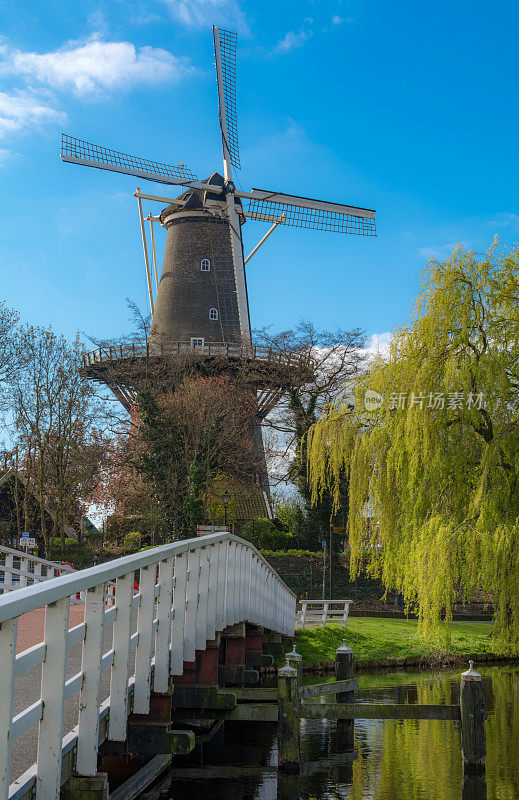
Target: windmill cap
x=196 y=199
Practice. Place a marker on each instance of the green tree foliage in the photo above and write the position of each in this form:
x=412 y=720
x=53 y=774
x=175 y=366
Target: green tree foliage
x=264 y=535
x=434 y=497
x=132 y=541
x=331 y=359
x=186 y=439
x=55 y=418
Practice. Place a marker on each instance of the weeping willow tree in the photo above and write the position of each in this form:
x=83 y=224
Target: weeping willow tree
x=430 y=438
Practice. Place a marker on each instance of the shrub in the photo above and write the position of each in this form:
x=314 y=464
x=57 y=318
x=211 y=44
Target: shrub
x=263 y=534
x=132 y=541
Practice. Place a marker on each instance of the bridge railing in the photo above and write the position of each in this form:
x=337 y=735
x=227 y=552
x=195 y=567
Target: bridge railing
x=187 y=591
x=31 y=569
x=112 y=353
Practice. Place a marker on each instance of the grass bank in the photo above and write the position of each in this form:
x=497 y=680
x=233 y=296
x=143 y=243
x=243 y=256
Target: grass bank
x=375 y=641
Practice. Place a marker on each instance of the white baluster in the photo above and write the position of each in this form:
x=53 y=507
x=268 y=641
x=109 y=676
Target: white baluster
x=242 y=583
x=212 y=592
x=230 y=598
x=120 y=671
x=179 y=614
x=50 y=733
x=325 y=614
x=8 y=576
x=304 y=605
x=88 y=725
x=24 y=567
x=203 y=591
x=146 y=614
x=193 y=568
x=8 y=632
x=252 y=595
x=164 y=603
x=223 y=553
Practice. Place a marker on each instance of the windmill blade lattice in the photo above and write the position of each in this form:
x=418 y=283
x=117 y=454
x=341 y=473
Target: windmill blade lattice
x=77 y=151
x=316 y=218
x=229 y=125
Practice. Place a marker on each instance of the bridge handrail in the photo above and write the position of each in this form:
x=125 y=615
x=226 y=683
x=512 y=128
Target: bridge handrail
x=116 y=352
x=35 y=559
x=81 y=580
x=187 y=591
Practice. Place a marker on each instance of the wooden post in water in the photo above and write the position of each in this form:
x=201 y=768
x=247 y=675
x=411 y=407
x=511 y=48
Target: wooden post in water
x=296 y=661
x=288 y=719
x=473 y=716
x=474 y=786
x=288 y=786
x=343 y=672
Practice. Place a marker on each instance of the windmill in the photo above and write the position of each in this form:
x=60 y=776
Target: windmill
x=201 y=301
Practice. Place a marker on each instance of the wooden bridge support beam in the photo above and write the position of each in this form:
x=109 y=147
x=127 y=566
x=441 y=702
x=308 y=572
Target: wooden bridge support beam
x=232 y=669
x=83 y=787
x=273 y=644
x=255 y=658
x=203 y=671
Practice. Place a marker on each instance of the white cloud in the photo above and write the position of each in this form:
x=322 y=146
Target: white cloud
x=504 y=219
x=440 y=252
x=5 y=156
x=95 y=66
x=337 y=20
x=377 y=345
x=289 y=141
x=201 y=13
x=23 y=110
x=292 y=40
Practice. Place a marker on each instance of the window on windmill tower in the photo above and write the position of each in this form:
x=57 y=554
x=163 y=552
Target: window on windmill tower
x=213 y=313
x=197 y=341
x=205 y=265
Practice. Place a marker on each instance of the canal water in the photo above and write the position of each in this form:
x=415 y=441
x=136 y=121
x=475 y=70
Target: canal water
x=393 y=760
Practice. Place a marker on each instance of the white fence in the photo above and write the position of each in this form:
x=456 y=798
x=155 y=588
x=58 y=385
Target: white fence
x=30 y=569
x=186 y=592
x=319 y=612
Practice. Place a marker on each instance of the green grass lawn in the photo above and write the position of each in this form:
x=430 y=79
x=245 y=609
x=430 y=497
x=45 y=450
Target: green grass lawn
x=376 y=639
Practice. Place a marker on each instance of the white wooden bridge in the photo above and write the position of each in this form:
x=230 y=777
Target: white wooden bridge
x=19 y=569
x=187 y=592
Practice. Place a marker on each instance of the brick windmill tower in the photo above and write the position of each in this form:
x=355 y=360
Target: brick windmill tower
x=201 y=302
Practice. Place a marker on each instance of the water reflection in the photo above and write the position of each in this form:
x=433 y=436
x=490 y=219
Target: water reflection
x=393 y=760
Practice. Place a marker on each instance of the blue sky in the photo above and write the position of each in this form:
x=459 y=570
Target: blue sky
x=408 y=108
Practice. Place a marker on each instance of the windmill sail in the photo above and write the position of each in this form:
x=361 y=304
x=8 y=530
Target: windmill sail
x=77 y=151
x=225 y=55
x=303 y=212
